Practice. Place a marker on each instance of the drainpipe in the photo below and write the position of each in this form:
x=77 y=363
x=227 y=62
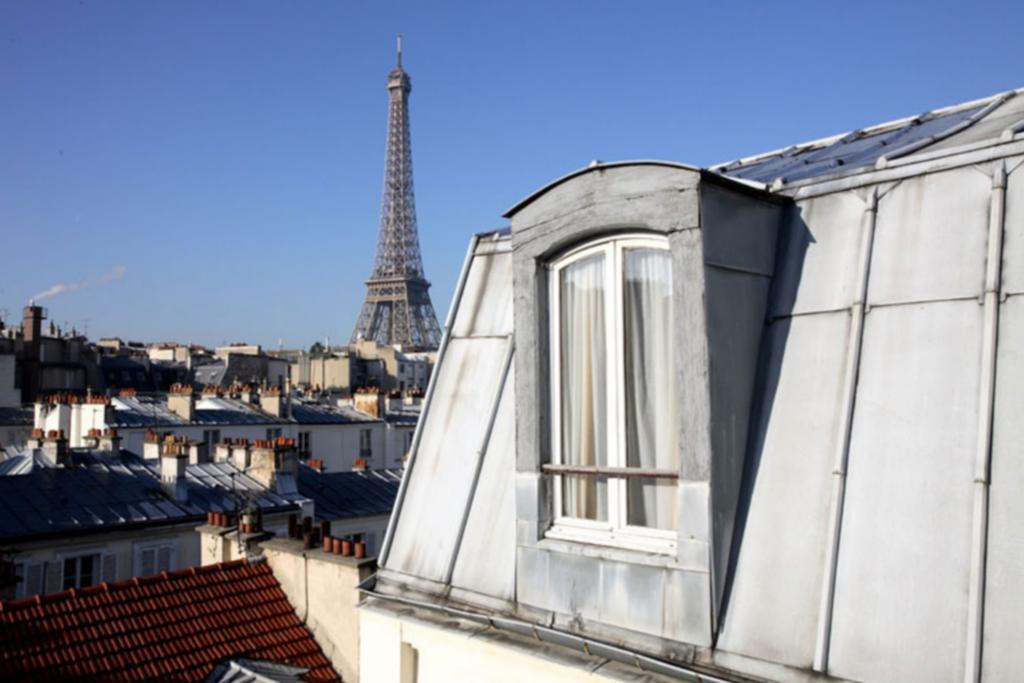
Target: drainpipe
x=986 y=405
x=842 y=454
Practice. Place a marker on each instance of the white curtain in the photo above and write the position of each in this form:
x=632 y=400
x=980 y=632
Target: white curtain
x=652 y=410
x=583 y=357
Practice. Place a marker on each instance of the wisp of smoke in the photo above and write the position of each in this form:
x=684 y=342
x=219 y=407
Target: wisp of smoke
x=112 y=276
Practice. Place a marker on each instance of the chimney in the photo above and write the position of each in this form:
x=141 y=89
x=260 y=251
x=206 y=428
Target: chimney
x=182 y=402
x=240 y=453
x=151 y=446
x=31 y=332
x=55 y=448
x=369 y=400
x=173 y=461
x=110 y=440
x=275 y=464
x=245 y=394
x=272 y=402
x=36 y=440
x=222 y=451
x=360 y=465
x=92 y=439
x=413 y=397
x=394 y=402
x=198 y=452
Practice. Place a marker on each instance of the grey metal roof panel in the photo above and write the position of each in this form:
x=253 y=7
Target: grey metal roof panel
x=243 y=670
x=54 y=500
x=854 y=150
x=341 y=495
x=321 y=413
x=16 y=416
x=105 y=490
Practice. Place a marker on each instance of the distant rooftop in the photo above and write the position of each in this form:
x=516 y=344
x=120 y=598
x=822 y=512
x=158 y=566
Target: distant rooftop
x=115 y=492
x=152 y=411
x=340 y=495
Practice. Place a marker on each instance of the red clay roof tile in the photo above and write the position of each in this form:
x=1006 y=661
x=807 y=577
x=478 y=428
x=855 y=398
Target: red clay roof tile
x=178 y=624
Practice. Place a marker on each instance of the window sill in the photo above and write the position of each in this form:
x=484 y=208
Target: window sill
x=606 y=544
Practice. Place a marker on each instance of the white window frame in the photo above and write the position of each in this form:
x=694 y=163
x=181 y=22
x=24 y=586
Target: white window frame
x=614 y=532
x=77 y=555
x=21 y=570
x=155 y=546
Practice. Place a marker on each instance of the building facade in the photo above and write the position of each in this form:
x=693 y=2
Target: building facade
x=757 y=421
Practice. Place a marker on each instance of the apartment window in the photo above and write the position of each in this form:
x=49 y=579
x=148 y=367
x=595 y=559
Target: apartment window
x=80 y=571
x=212 y=438
x=153 y=558
x=273 y=433
x=30 y=578
x=364 y=443
x=615 y=415
x=305 y=443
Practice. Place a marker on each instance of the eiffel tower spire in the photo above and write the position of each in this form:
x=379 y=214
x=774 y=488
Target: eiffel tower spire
x=397 y=309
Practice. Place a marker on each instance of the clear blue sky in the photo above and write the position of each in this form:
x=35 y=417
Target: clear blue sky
x=229 y=154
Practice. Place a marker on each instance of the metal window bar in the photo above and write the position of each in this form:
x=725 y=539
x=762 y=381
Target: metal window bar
x=615 y=472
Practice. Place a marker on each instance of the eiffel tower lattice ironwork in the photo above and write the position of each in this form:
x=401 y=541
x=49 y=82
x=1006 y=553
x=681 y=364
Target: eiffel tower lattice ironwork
x=397 y=309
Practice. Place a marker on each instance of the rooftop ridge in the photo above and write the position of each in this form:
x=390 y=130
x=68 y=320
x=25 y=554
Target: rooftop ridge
x=869 y=130
x=74 y=594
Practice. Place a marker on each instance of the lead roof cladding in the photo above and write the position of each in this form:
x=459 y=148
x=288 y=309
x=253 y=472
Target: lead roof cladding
x=863 y=148
x=464 y=464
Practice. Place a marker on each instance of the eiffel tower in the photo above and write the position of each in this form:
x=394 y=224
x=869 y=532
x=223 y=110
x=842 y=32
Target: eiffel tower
x=397 y=309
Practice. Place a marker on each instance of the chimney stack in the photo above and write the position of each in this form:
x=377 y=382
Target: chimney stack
x=241 y=454
x=92 y=439
x=151 y=446
x=275 y=463
x=31 y=332
x=369 y=400
x=198 y=452
x=182 y=401
x=272 y=402
x=110 y=440
x=173 y=461
x=55 y=448
x=35 y=441
x=222 y=451
x=394 y=402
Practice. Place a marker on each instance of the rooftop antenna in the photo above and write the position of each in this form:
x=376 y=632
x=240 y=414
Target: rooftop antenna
x=399 y=50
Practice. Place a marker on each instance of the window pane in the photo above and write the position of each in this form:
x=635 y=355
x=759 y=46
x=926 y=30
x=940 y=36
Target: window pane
x=652 y=410
x=583 y=385
x=70 y=573
x=86 y=572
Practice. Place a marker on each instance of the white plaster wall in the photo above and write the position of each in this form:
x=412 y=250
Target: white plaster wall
x=121 y=545
x=443 y=655
x=322 y=589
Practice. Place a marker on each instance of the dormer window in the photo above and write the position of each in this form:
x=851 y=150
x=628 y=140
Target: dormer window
x=615 y=435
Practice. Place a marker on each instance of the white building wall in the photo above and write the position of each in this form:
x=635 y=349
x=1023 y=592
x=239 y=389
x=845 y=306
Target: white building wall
x=122 y=545
x=401 y=650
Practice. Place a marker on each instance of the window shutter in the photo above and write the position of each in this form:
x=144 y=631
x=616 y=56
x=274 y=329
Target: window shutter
x=147 y=564
x=109 y=572
x=163 y=558
x=52 y=580
x=32 y=579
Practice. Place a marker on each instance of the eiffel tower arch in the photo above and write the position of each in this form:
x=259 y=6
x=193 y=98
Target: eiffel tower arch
x=397 y=309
